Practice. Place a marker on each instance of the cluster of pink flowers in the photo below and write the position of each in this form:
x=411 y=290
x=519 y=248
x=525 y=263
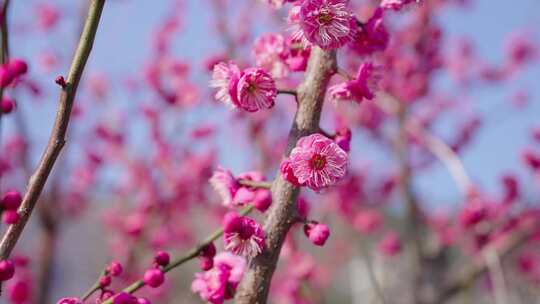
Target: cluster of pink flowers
x=316 y=162
x=220 y=282
x=325 y=23
x=363 y=86
x=252 y=89
x=233 y=194
x=279 y=55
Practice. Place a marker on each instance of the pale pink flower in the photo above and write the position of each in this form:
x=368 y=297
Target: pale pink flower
x=270 y=51
x=326 y=23
x=256 y=90
x=242 y=235
x=220 y=282
x=225 y=184
x=360 y=88
x=225 y=78
x=318 y=162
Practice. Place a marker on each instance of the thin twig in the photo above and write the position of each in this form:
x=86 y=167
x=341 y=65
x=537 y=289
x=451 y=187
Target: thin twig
x=94 y=288
x=57 y=138
x=191 y=254
x=254 y=184
x=287 y=91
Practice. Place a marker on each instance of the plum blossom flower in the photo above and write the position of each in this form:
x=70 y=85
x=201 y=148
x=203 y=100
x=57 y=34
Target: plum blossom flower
x=252 y=89
x=326 y=23
x=318 y=162
x=317 y=233
x=373 y=37
x=225 y=184
x=270 y=51
x=360 y=88
x=220 y=282
x=242 y=235
x=224 y=78
x=390 y=245
x=256 y=90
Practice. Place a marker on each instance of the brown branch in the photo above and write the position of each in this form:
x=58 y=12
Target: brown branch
x=253 y=184
x=57 y=138
x=191 y=254
x=287 y=91
x=282 y=213
x=473 y=272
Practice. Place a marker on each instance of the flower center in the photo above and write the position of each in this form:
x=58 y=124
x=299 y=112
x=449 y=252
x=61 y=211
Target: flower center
x=317 y=162
x=325 y=17
x=251 y=88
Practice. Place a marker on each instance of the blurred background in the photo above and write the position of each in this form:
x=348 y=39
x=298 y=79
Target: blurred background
x=131 y=144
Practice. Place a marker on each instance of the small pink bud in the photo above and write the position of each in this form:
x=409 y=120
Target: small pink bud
x=7 y=270
x=60 y=81
x=124 y=298
x=209 y=250
x=317 y=233
x=7 y=105
x=18 y=67
x=115 y=269
x=11 y=217
x=154 y=277
x=206 y=263
x=105 y=281
x=12 y=200
x=6 y=76
x=162 y=258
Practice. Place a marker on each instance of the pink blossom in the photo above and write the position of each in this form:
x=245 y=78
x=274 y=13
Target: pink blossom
x=298 y=55
x=360 y=88
x=373 y=37
x=220 y=282
x=318 y=162
x=326 y=23
x=242 y=235
x=256 y=90
x=225 y=78
x=260 y=198
x=270 y=51
x=225 y=184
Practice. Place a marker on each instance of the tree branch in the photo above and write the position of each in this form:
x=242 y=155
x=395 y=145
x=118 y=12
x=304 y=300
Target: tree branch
x=191 y=254
x=282 y=213
x=57 y=138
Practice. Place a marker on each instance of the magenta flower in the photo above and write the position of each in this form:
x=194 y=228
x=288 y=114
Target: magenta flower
x=360 y=88
x=326 y=23
x=243 y=236
x=318 y=162
x=220 y=282
x=270 y=51
x=256 y=90
x=260 y=198
x=225 y=184
x=224 y=78
x=373 y=37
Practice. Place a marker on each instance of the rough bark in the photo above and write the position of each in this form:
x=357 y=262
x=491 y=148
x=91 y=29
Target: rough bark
x=282 y=214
